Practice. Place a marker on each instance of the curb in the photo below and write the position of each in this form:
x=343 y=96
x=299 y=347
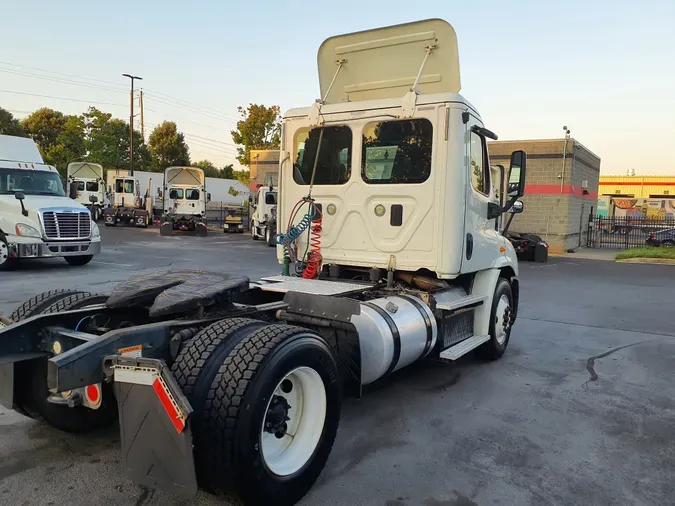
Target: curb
x=651 y=261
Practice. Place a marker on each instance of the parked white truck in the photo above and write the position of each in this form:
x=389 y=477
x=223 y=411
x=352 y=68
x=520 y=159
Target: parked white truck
x=185 y=198
x=264 y=216
x=37 y=218
x=387 y=216
x=127 y=205
x=89 y=186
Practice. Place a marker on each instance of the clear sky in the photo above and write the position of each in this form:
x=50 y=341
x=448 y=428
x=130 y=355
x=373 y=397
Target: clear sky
x=605 y=69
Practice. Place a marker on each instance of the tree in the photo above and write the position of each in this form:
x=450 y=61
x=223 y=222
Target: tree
x=167 y=146
x=227 y=172
x=259 y=128
x=9 y=125
x=44 y=126
x=69 y=145
x=107 y=142
x=243 y=176
x=209 y=169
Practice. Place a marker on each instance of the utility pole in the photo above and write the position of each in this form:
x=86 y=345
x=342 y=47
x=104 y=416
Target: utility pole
x=140 y=105
x=131 y=124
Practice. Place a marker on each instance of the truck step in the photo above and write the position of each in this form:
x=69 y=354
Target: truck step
x=464 y=347
x=460 y=302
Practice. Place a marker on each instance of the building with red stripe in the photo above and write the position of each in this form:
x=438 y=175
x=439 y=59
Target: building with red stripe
x=561 y=189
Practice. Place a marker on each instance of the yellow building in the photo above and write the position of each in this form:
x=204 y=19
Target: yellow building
x=639 y=187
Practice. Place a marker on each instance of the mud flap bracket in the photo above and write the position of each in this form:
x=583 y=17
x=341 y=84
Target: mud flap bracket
x=154 y=415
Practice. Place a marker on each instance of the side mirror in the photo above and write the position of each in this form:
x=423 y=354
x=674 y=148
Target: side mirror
x=72 y=190
x=93 y=199
x=20 y=196
x=517 y=170
x=518 y=207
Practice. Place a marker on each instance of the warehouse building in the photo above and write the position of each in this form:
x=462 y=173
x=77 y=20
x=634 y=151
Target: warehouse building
x=561 y=189
x=639 y=187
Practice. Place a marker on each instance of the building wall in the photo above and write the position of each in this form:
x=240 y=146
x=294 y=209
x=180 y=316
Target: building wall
x=263 y=162
x=638 y=186
x=557 y=205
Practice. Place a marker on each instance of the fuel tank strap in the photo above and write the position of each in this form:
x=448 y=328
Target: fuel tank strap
x=396 y=336
x=427 y=321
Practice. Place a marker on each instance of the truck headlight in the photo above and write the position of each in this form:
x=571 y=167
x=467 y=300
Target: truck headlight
x=95 y=231
x=26 y=230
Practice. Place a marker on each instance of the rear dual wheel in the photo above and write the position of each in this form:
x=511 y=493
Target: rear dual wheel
x=266 y=402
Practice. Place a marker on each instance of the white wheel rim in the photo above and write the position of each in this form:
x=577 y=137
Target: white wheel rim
x=502 y=305
x=4 y=253
x=306 y=397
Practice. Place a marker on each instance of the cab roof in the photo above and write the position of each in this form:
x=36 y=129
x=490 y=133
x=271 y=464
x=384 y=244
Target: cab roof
x=384 y=103
x=19 y=149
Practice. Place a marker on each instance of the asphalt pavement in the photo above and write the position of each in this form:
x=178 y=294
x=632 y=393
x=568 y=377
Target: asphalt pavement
x=579 y=411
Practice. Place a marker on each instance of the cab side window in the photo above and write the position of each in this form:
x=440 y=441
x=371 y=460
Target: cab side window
x=480 y=179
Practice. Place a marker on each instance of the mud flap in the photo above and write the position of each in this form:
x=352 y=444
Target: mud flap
x=201 y=230
x=155 y=428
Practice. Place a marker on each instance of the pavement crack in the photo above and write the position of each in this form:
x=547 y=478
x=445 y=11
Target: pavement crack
x=660 y=334
x=590 y=363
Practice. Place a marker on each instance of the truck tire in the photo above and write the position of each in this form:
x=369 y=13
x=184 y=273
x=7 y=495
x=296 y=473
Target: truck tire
x=32 y=392
x=254 y=399
x=6 y=263
x=200 y=358
x=269 y=236
x=79 y=260
x=76 y=301
x=500 y=322
x=40 y=302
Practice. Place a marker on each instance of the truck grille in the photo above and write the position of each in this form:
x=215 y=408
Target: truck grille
x=66 y=225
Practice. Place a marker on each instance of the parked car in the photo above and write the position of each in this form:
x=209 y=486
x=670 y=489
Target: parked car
x=664 y=238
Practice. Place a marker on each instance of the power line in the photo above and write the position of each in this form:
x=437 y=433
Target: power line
x=209 y=114
x=60 y=73
x=60 y=80
x=61 y=98
x=197 y=106
x=172 y=101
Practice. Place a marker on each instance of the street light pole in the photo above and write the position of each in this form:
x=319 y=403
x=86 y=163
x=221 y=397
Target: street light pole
x=131 y=124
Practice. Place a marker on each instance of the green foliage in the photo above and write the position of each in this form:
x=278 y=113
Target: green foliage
x=44 y=126
x=242 y=176
x=227 y=172
x=9 y=125
x=167 y=146
x=647 y=252
x=259 y=128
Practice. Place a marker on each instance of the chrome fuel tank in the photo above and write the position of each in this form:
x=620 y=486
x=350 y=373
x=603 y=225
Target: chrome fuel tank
x=393 y=332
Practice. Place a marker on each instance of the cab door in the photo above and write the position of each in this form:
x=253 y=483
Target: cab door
x=481 y=238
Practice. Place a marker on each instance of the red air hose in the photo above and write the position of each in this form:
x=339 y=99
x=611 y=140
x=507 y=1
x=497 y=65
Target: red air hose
x=314 y=256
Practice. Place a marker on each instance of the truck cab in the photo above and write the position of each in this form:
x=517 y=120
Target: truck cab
x=184 y=200
x=85 y=180
x=37 y=218
x=264 y=217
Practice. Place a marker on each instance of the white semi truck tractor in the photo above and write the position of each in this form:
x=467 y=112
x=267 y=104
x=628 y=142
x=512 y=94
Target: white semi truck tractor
x=37 y=218
x=389 y=253
x=184 y=201
x=86 y=179
x=126 y=206
x=264 y=216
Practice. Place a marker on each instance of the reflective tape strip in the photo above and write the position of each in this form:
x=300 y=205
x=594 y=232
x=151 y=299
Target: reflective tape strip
x=136 y=376
x=169 y=404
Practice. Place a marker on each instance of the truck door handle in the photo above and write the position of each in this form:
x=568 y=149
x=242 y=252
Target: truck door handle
x=469 y=246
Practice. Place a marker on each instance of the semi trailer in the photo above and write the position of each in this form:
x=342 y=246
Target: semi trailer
x=389 y=253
